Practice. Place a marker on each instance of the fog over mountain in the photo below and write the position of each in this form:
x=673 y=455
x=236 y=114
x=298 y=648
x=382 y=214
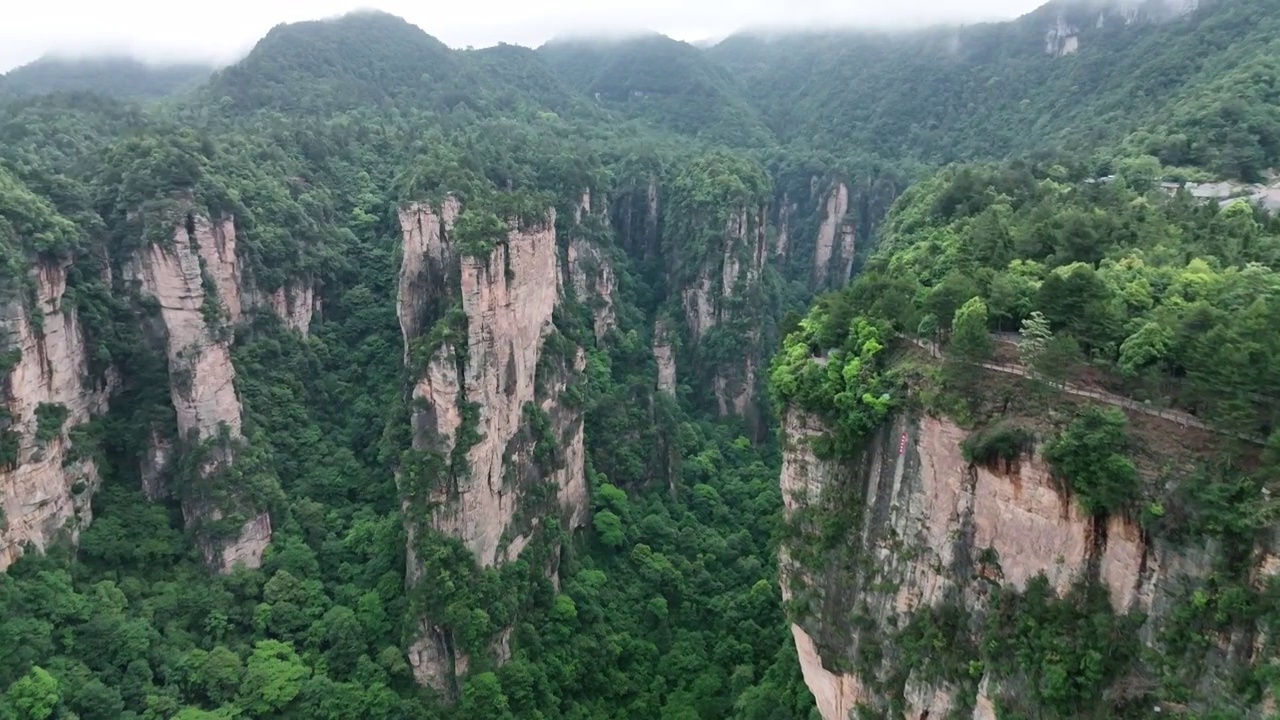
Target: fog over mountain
x=166 y=32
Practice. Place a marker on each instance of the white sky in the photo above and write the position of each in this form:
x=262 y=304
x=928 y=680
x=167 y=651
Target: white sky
x=222 y=31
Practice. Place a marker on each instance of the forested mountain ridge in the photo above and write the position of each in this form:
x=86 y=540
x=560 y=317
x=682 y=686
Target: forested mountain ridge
x=1195 y=89
x=373 y=378
x=119 y=77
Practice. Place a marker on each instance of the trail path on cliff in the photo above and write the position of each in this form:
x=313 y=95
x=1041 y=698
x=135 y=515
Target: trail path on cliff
x=1182 y=418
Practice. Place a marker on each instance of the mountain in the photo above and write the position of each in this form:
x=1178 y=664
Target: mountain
x=362 y=59
x=666 y=82
x=119 y=77
x=1073 y=75
x=831 y=375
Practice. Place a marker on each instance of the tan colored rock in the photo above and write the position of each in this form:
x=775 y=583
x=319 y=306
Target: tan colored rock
x=925 y=499
x=215 y=242
x=432 y=661
x=201 y=376
x=295 y=303
x=836 y=206
x=665 y=356
x=202 y=386
x=508 y=298
x=570 y=478
x=1026 y=519
x=42 y=494
x=926 y=700
x=699 y=308
x=784 y=227
x=155 y=466
x=848 y=246
x=594 y=282
x=427 y=255
x=508 y=315
x=836 y=694
x=983 y=707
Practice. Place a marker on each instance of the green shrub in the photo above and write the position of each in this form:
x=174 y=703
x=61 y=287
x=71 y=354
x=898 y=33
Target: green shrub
x=49 y=420
x=1090 y=458
x=1001 y=442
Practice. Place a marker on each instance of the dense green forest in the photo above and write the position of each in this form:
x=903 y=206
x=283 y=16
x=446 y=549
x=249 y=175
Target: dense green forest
x=667 y=603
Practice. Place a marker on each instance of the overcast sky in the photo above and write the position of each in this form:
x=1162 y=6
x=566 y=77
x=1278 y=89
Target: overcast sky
x=222 y=31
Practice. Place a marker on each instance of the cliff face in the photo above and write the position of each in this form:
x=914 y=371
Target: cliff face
x=636 y=218
x=664 y=355
x=499 y=388
x=195 y=281
x=835 y=244
x=785 y=210
x=928 y=530
x=1071 y=20
x=44 y=489
x=727 y=293
x=591 y=271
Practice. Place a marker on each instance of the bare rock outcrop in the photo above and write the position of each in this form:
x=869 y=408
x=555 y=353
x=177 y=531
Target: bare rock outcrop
x=201 y=377
x=834 y=232
x=427 y=264
x=636 y=217
x=722 y=295
x=44 y=488
x=935 y=529
x=664 y=355
x=294 y=303
x=594 y=283
x=489 y=384
x=781 y=241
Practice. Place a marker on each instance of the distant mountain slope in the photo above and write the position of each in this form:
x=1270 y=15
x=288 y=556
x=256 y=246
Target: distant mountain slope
x=512 y=73
x=666 y=82
x=360 y=59
x=1078 y=74
x=115 y=76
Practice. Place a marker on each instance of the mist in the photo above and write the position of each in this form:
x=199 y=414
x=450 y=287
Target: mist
x=220 y=33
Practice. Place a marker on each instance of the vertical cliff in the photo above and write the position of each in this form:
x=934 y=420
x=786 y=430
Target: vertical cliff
x=45 y=485
x=725 y=299
x=496 y=461
x=195 y=281
x=590 y=269
x=786 y=209
x=664 y=354
x=906 y=566
x=636 y=215
x=834 y=245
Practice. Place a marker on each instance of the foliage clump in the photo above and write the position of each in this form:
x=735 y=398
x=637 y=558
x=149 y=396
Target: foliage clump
x=50 y=417
x=1090 y=457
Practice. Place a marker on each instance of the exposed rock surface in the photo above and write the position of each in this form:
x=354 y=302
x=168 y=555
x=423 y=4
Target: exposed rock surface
x=834 y=232
x=508 y=315
x=723 y=294
x=1072 y=19
x=201 y=376
x=508 y=299
x=594 y=283
x=43 y=491
x=295 y=303
x=637 y=220
x=427 y=263
x=785 y=211
x=934 y=529
x=664 y=355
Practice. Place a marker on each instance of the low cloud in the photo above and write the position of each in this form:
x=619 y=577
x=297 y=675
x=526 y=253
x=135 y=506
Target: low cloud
x=219 y=33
